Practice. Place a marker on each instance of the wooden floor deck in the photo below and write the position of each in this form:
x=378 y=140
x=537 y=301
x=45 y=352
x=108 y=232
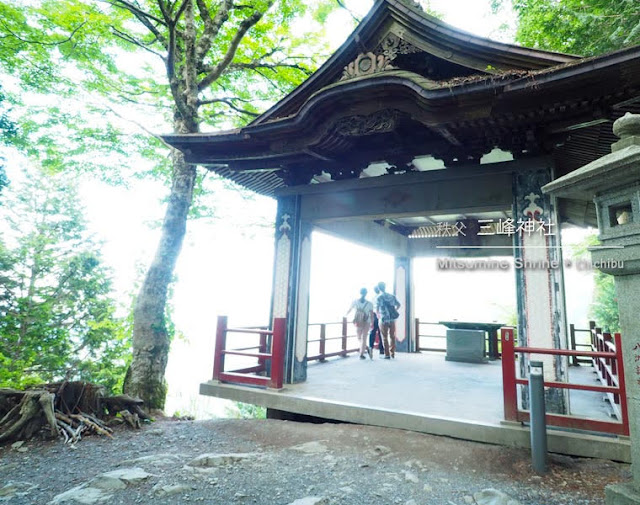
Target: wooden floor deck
x=423 y=392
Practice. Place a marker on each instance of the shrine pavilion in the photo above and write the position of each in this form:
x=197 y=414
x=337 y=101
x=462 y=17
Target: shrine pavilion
x=413 y=127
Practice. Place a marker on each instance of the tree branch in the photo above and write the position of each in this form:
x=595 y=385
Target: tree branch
x=211 y=26
x=270 y=81
x=141 y=126
x=183 y=6
x=131 y=40
x=39 y=42
x=165 y=13
x=174 y=82
x=134 y=9
x=144 y=17
x=244 y=27
x=342 y=5
x=190 y=72
x=258 y=64
x=229 y=103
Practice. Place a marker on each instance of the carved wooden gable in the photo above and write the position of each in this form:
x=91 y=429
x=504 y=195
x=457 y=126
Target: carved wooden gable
x=397 y=35
x=380 y=59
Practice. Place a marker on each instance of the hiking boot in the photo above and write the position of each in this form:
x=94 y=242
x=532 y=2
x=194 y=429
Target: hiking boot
x=362 y=356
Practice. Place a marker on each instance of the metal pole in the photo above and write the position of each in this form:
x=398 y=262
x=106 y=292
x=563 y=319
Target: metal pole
x=537 y=417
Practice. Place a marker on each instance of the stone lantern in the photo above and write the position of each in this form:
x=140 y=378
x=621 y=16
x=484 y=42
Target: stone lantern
x=613 y=183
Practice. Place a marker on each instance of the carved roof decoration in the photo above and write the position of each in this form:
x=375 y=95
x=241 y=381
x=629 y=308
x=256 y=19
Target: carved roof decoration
x=380 y=59
x=366 y=64
x=401 y=30
x=406 y=84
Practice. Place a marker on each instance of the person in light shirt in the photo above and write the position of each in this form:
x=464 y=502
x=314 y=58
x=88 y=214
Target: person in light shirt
x=362 y=319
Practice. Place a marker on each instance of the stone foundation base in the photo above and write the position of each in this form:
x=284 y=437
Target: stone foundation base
x=622 y=494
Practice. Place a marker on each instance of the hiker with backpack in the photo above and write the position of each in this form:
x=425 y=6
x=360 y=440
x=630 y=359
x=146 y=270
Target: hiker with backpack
x=362 y=320
x=387 y=306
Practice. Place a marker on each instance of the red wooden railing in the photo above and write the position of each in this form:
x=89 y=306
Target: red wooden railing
x=609 y=370
x=269 y=371
x=419 y=333
x=616 y=386
x=322 y=341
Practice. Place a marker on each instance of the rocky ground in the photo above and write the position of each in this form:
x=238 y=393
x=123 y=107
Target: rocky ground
x=278 y=462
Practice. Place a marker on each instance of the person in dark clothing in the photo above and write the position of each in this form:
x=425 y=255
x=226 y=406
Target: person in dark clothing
x=375 y=328
x=387 y=306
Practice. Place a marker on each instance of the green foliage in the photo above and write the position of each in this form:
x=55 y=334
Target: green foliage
x=57 y=317
x=54 y=68
x=584 y=27
x=246 y=411
x=81 y=69
x=85 y=51
x=604 y=307
x=3 y=176
x=7 y=132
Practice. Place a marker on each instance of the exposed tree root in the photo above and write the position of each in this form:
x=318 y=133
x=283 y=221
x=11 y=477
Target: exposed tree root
x=116 y=404
x=66 y=410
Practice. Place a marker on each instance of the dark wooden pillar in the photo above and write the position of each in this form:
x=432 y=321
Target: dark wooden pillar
x=540 y=288
x=290 y=295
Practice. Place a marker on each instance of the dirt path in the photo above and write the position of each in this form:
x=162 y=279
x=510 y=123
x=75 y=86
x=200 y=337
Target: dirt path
x=279 y=462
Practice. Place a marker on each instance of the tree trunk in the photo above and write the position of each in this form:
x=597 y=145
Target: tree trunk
x=145 y=377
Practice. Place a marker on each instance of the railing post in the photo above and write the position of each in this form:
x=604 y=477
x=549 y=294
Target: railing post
x=592 y=334
x=218 y=357
x=606 y=337
x=622 y=386
x=572 y=336
x=417 y=323
x=277 y=353
x=323 y=342
x=599 y=348
x=509 y=389
x=344 y=337
x=262 y=349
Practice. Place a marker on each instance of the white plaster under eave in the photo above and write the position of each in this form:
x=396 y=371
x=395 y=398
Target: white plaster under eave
x=496 y=156
x=421 y=163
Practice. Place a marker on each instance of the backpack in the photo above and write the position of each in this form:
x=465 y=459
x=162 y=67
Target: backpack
x=361 y=316
x=393 y=312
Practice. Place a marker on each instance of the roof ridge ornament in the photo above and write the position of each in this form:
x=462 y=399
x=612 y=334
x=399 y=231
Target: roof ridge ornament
x=366 y=64
x=392 y=45
x=380 y=58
